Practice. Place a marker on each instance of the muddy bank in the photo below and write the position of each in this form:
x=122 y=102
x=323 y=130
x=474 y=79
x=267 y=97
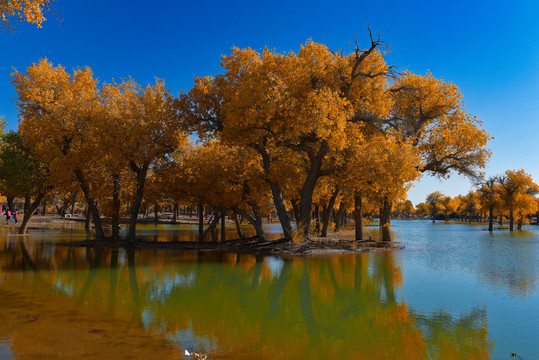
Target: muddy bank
x=253 y=246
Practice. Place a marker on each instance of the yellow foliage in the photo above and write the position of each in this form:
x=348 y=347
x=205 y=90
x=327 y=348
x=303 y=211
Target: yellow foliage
x=32 y=11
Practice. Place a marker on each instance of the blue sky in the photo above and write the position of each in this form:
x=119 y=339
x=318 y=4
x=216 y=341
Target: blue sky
x=490 y=49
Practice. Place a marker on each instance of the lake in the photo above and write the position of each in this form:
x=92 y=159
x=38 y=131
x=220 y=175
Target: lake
x=454 y=292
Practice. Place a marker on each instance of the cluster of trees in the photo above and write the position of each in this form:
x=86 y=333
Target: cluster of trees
x=511 y=194
x=299 y=134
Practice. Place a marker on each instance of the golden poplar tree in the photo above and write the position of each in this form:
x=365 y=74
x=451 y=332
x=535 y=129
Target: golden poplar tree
x=517 y=194
x=57 y=112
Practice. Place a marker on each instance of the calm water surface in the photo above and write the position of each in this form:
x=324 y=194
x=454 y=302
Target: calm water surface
x=455 y=292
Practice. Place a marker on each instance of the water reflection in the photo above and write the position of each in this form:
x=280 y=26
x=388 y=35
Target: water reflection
x=172 y=233
x=505 y=262
x=101 y=303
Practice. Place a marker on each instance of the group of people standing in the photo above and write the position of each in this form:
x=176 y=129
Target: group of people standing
x=10 y=216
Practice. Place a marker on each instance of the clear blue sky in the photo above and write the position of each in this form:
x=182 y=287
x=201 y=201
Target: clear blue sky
x=490 y=49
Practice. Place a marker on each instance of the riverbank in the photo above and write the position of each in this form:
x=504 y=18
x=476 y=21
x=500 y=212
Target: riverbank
x=335 y=244
x=252 y=246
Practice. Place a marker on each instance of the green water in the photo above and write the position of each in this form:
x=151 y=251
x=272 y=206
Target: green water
x=455 y=292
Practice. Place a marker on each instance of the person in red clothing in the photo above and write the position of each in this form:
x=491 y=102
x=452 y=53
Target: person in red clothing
x=8 y=216
x=16 y=216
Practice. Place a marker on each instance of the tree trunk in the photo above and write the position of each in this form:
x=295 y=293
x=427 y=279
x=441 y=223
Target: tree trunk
x=306 y=199
x=255 y=220
x=29 y=208
x=223 y=226
x=295 y=209
x=27 y=200
x=135 y=206
x=519 y=223
x=238 y=226
x=155 y=212
x=329 y=211
x=317 y=217
x=87 y=220
x=339 y=218
x=92 y=204
x=281 y=209
x=175 y=213
x=200 y=221
x=358 y=214
x=212 y=226
x=10 y=204
x=491 y=218
x=44 y=209
x=511 y=220
x=115 y=222
x=385 y=219
x=275 y=191
x=73 y=201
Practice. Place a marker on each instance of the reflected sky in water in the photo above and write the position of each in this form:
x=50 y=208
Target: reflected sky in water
x=455 y=292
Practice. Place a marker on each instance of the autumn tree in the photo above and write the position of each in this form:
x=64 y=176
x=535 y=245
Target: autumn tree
x=423 y=209
x=139 y=127
x=225 y=178
x=430 y=113
x=381 y=170
x=449 y=205
x=22 y=175
x=470 y=204
x=517 y=193
x=98 y=135
x=405 y=208
x=311 y=104
x=489 y=191
x=296 y=104
x=56 y=111
x=434 y=200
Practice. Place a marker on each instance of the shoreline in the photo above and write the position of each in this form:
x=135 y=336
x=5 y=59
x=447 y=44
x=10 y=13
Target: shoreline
x=335 y=244
x=252 y=246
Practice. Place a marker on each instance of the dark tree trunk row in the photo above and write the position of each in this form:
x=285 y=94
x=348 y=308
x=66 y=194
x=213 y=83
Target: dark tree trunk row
x=29 y=209
x=339 y=218
x=212 y=226
x=141 y=173
x=115 y=221
x=328 y=212
x=92 y=204
x=358 y=214
x=385 y=218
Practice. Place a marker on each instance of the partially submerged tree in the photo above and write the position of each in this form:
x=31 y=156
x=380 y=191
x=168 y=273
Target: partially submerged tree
x=517 y=193
x=434 y=200
x=489 y=191
x=449 y=205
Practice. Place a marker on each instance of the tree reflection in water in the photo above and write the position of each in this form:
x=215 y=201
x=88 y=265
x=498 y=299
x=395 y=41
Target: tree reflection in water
x=232 y=306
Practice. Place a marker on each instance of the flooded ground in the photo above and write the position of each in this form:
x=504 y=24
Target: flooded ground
x=455 y=292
